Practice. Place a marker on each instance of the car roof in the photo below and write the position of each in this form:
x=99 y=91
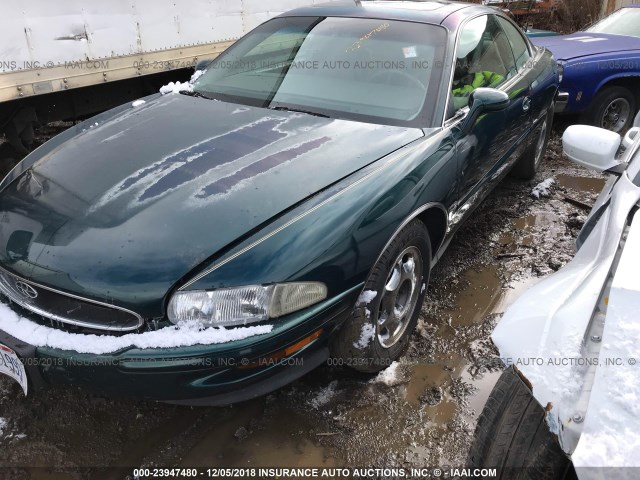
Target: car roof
x=434 y=11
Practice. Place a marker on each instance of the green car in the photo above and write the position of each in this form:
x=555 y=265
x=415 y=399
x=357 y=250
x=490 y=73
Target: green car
x=214 y=243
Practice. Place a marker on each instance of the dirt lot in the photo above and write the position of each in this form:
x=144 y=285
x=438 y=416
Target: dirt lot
x=420 y=413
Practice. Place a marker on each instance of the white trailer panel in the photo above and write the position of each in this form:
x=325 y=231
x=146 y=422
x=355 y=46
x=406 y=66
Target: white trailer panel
x=50 y=46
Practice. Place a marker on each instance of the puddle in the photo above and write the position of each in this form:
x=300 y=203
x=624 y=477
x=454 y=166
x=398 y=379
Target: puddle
x=482 y=296
x=283 y=441
x=581 y=184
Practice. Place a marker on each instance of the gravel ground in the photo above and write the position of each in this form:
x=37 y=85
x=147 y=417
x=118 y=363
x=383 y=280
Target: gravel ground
x=421 y=413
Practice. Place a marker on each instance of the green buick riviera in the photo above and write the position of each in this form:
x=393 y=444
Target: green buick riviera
x=213 y=244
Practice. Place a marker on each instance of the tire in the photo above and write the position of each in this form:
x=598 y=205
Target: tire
x=613 y=109
x=512 y=436
x=528 y=164
x=379 y=329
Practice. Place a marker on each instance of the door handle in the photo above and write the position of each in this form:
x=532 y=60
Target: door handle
x=526 y=104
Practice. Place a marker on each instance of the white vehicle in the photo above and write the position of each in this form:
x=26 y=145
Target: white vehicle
x=572 y=397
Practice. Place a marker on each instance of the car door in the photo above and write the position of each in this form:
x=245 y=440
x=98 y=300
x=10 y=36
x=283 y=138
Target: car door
x=485 y=58
x=529 y=73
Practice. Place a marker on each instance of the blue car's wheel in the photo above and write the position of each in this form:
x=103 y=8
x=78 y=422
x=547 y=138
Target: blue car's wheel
x=612 y=109
x=387 y=311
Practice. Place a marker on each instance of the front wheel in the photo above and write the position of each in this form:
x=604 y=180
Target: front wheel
x=387 y=311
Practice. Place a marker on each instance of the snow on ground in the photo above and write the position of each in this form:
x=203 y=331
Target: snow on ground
x=138 y=103
x=3 y=426
x=392 y=375
x=169 y=337
x=543 y=189
x=366 y=334
x=324 y=395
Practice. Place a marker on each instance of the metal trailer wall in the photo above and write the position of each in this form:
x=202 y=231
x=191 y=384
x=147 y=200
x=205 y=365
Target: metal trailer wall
x=48 y=46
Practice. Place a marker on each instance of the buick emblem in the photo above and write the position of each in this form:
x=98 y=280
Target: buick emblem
x=26 y=290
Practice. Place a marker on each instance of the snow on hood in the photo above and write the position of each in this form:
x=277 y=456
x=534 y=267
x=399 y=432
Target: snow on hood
x=185 y=335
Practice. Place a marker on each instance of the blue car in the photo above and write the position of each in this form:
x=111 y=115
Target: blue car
x=601 y=79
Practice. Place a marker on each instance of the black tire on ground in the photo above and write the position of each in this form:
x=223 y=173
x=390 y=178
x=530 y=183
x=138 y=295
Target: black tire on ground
x=369 y=341
x=528 y=164
x=512 y=436
x=613 y=108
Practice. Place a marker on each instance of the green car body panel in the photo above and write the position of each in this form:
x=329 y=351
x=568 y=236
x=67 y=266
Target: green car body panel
x=117 y=210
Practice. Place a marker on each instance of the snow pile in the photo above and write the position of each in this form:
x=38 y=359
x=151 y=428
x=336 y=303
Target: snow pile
x=138 y=103
x=543 y=189
x=390 y=376
x=366 y=297
x=366 y=334
x=176 y=87
x=324 y=395
x=196 y=75
x=183 y=335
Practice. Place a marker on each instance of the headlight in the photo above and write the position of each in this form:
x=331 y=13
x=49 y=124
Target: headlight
x=242 y=305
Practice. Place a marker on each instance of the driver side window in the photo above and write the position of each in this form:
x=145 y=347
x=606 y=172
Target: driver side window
x=484 y=59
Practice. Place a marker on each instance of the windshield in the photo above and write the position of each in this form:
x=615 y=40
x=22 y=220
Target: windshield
x=377 y=71
x=622 y=22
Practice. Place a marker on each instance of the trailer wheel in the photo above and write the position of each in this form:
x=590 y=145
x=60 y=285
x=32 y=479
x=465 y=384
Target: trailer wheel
x=512 y=436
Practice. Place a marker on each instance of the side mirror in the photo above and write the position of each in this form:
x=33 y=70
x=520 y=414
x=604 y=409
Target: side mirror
x=484 y=100
x=592 y=147
x=488 y=100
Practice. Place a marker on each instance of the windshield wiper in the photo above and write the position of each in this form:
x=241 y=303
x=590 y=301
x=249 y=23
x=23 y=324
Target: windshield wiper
x=193 y=93
x=299 y=110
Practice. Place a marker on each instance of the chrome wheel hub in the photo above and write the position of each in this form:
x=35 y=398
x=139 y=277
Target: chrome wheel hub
x=399 y=297
x=616 y=115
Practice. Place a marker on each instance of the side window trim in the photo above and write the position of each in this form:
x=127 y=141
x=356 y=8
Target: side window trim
x=524 y=38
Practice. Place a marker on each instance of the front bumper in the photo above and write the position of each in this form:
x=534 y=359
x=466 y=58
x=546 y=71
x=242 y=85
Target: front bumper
x=562 y=101
x=217 y=374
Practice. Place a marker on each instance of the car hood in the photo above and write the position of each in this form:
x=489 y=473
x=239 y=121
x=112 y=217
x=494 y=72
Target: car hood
x=128 y=206
x=581 y=44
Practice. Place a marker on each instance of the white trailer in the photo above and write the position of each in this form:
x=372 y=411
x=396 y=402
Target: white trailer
x=62 y=47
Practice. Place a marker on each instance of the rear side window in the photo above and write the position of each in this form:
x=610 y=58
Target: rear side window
x=517 y=41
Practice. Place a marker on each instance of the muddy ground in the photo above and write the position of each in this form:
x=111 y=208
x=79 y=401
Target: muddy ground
x=421 y=413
